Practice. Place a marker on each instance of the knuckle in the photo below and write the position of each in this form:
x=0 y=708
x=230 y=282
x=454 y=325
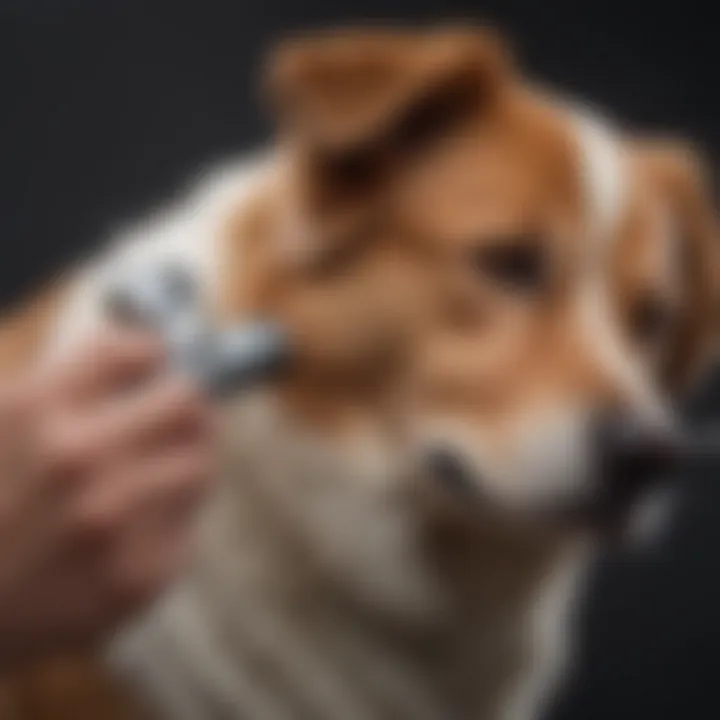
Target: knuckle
x=94 y=525
x=186 y=395
x=120 y=348
x=182 y=402
x=66 y=453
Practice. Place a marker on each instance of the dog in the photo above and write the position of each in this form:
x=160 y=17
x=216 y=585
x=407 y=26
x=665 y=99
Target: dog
x=486 y=287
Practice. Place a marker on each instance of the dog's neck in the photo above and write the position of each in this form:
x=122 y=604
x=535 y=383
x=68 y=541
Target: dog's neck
x=446 y=601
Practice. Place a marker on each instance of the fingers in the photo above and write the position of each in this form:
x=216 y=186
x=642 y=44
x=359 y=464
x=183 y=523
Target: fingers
x=111 y=360
x=103 y=485
x=141 y=520
x=171 y=411
x=145 y=492
x=163 y=508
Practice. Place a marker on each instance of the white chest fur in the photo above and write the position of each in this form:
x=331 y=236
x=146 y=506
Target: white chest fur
x=317 y=594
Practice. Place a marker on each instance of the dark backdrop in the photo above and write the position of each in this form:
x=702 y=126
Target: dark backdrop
x=106 y=106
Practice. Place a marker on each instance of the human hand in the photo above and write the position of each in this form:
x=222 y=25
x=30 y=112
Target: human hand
x=103 y=460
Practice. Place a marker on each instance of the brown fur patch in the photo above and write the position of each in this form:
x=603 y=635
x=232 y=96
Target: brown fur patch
x=676 y=175
x=347 y=89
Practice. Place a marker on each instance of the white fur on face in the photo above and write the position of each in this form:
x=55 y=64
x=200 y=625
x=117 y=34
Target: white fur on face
x=607 y=182
x=543 y=463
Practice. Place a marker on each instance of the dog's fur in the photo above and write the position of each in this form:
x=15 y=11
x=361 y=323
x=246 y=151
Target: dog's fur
x=337 y=576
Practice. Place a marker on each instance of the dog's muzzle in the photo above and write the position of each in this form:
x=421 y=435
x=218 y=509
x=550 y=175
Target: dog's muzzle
x=632 y=458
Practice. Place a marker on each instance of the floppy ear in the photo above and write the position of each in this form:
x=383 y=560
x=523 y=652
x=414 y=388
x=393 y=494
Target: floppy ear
x=343 y=90
x=684 y=181
x=355 y=104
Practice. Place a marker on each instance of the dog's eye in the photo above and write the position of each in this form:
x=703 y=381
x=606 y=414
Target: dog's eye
x=650 y=319
x=518 y=263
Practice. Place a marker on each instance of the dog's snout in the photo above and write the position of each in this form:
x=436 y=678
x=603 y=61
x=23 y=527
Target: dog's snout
x=633 y=453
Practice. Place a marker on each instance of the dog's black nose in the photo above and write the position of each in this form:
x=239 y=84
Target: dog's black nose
x=633 y=453
x=448 y=468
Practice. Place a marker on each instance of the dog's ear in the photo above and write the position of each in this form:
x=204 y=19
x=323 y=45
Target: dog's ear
x=356 y=105
x=341 y=91
x=685 y=183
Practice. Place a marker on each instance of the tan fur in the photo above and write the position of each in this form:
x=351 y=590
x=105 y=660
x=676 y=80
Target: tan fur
x=342 y=89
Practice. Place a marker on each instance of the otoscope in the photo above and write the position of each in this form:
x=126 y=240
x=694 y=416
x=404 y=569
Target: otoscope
x=166 y=299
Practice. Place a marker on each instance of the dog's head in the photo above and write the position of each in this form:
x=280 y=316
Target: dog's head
x=501 y=280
